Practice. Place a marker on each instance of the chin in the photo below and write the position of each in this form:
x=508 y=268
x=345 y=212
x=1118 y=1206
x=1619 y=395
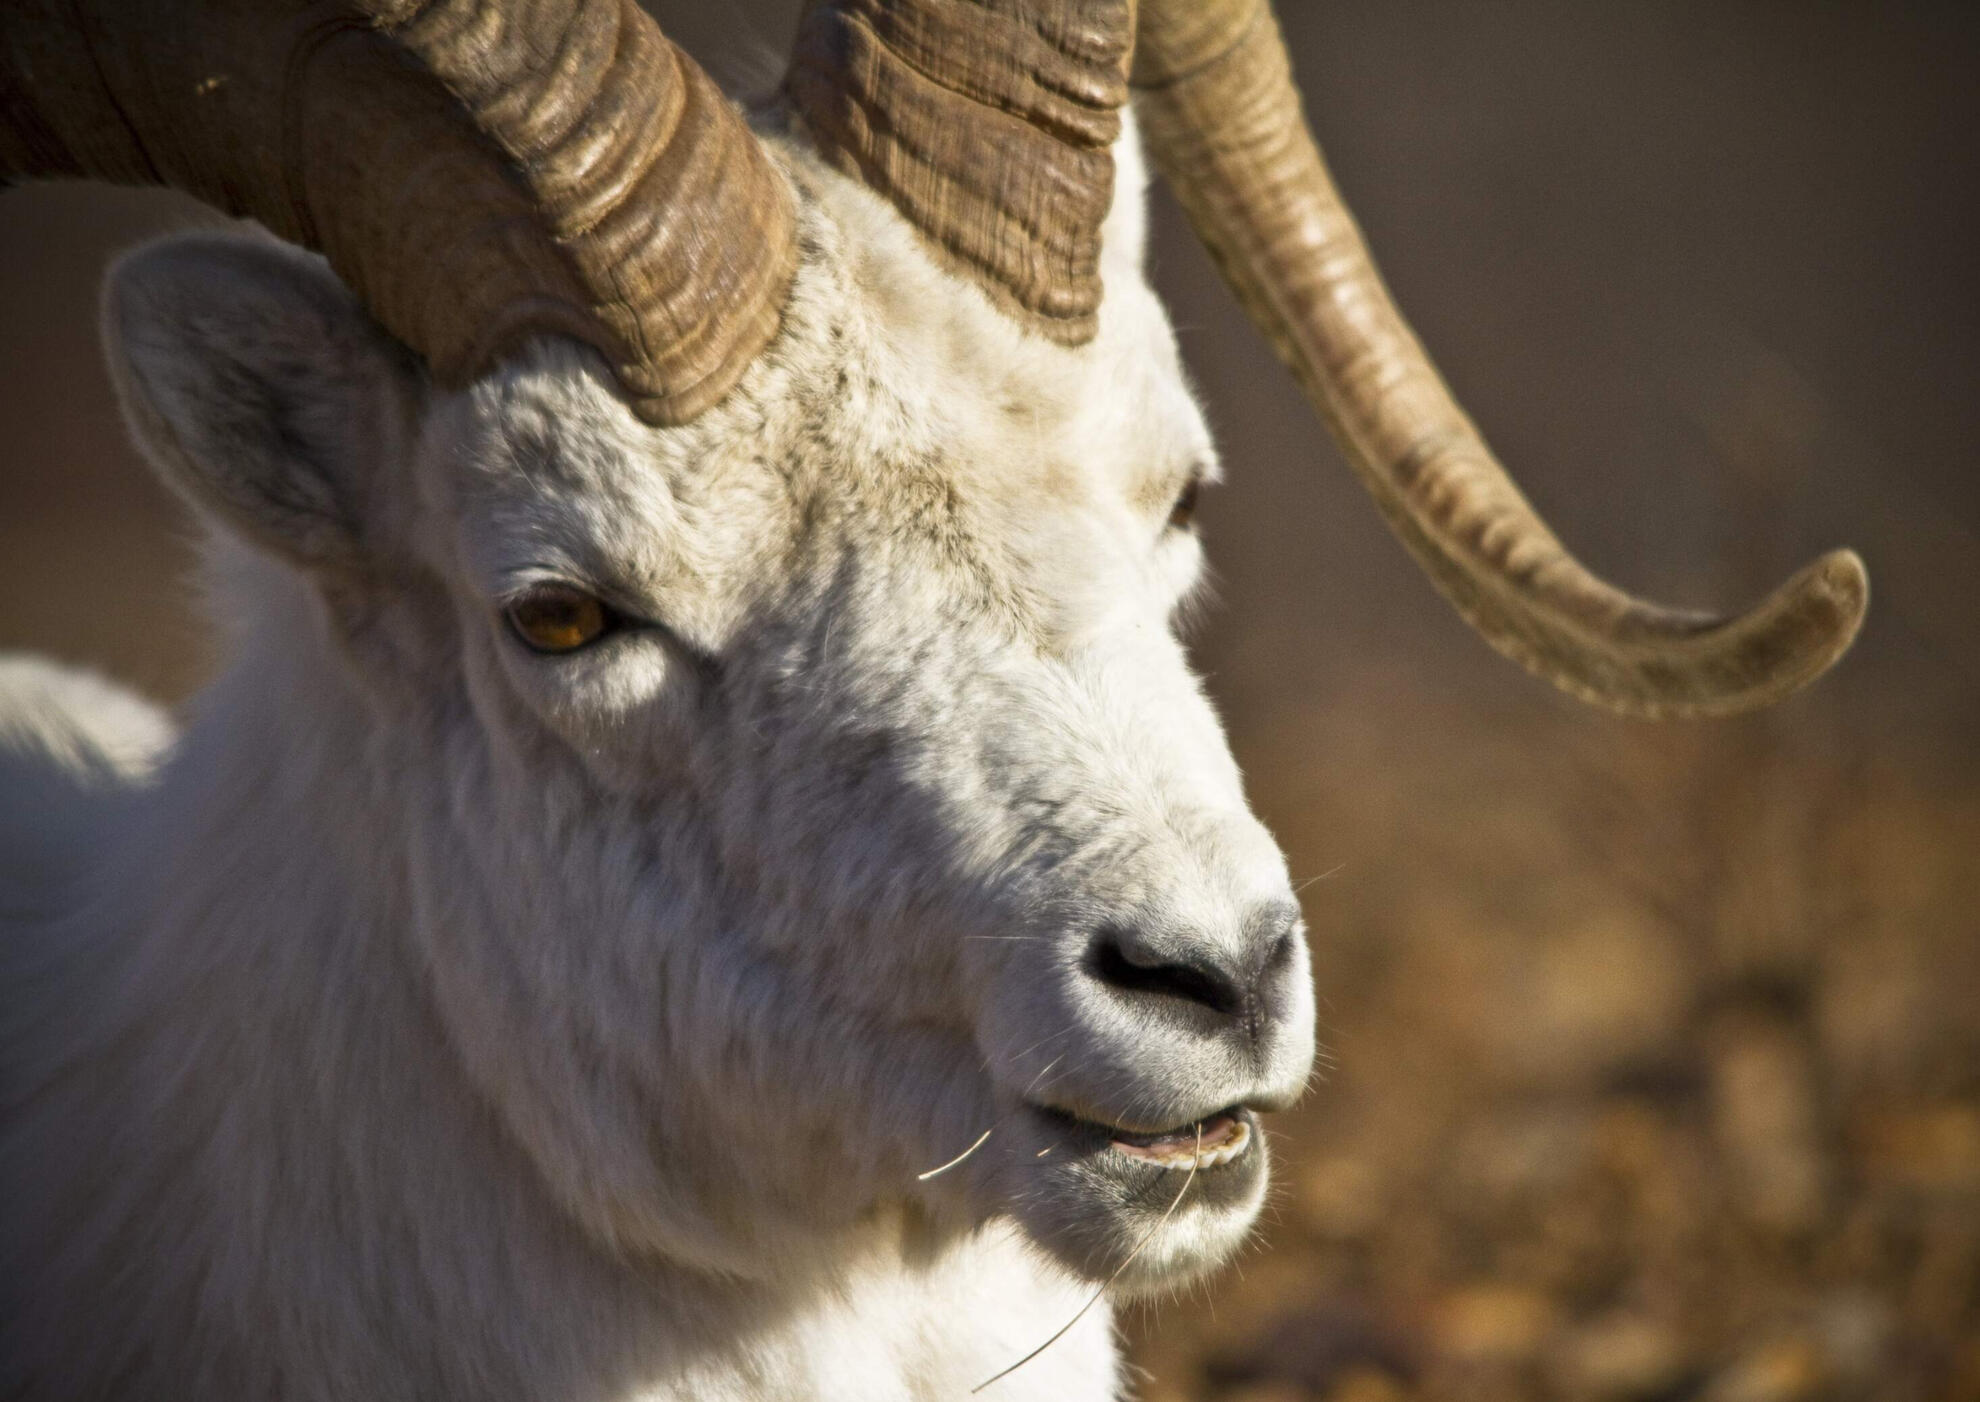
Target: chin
x=1126 y=1209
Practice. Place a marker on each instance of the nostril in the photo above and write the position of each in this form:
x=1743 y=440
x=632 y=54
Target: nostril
x=1195 y=981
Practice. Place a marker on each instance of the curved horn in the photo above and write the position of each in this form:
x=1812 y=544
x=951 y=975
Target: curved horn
x=989 y=124
x=1215 y=96
x=476 y=171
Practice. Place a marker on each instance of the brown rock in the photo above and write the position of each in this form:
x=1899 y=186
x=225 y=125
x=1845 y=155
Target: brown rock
x=1855 y=1329
x=1265 y=1392
x=1766 y=1119
x=1341 y=1198
x=1522 y=1153
x=1314 y=1348
x=1621 y=1357
x=1368 y=1385
x=1931 y=1148
x=1786 y=1370
x=1493 y=1324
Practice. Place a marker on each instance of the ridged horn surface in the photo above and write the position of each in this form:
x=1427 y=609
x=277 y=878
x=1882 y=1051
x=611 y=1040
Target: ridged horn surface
x=477 y=171
x=988 y=124
x=1216 y=102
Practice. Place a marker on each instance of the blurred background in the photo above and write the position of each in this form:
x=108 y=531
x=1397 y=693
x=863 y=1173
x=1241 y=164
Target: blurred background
x=1653 y=1052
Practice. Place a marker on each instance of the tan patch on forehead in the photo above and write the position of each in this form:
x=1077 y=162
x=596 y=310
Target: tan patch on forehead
x=1057 y=485
x=1154 y=492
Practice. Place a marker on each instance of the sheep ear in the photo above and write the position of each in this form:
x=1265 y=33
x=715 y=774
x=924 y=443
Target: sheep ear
x=260 y=389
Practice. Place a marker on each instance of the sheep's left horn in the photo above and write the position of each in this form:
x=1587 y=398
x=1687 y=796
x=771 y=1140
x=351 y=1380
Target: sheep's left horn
x=1215 y=97
x=988 y=124
x=477 y=171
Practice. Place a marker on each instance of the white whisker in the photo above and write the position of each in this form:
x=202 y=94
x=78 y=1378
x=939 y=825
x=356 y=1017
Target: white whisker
x=1107 y=1284
x=1043 y=1071
x=1043 y=1040
x=1332 y=871
x=924 y=1177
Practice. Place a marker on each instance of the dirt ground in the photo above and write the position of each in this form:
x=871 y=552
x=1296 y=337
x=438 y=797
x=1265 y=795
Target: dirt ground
x=1652 y=1072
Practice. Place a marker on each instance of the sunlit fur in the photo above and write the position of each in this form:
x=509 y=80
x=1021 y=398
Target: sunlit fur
x=447 y=1020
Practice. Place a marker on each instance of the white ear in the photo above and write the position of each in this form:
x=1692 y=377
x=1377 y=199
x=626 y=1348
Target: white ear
x=260 y=389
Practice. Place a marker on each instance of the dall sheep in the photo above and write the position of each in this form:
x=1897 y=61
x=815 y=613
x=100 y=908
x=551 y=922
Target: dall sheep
x=703 y=738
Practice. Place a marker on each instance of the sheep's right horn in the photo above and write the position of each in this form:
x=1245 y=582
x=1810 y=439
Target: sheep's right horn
x=476 y=171
x=989 y=124
x=1215 y=96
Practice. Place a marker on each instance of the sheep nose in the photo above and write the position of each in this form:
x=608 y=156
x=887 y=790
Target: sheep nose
x=1233 y=979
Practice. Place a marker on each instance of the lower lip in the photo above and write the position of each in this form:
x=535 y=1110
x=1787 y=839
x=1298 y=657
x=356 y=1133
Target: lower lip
x=1222 y=1139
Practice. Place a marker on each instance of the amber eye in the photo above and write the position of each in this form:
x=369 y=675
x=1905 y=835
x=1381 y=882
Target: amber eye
x=558 y=618
x=1184 y=511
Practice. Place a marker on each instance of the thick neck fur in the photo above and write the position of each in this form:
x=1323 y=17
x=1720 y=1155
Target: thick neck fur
x=248 y=1089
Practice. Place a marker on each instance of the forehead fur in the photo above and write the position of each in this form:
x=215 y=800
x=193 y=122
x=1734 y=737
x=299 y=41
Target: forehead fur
x=897 y=402
x=1047 y=417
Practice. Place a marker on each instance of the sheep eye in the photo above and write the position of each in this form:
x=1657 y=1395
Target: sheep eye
x=1184 y=511
x=557 y=618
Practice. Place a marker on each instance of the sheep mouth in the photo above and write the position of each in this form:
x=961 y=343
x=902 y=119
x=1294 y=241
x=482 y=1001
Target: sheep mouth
x=1208 y=1143
x=1223 y=1138
x=1140 y=1209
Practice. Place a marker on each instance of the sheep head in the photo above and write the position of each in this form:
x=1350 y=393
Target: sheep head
x=874 y=806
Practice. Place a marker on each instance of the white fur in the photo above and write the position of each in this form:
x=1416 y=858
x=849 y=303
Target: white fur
x=447 y=1020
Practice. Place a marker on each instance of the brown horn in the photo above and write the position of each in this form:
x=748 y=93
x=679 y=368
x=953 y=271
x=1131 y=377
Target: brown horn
x=989 y=124
x=476 y=171
x=1214 y=94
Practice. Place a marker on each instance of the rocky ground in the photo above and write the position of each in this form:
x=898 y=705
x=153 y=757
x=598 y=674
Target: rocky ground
x=1653 y=1072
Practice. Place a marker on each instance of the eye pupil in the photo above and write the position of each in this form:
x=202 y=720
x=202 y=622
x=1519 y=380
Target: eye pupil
x=1184 y=511
x=557 y=618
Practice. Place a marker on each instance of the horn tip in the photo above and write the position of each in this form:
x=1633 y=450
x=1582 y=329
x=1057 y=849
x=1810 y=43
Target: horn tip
x=1803 y=629
x=1692 y=667
x=1832 y=595
x=1842 y=577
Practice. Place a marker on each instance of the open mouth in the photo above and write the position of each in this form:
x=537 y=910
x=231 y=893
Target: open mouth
x=1223 y=1138
x=1103 y=1192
